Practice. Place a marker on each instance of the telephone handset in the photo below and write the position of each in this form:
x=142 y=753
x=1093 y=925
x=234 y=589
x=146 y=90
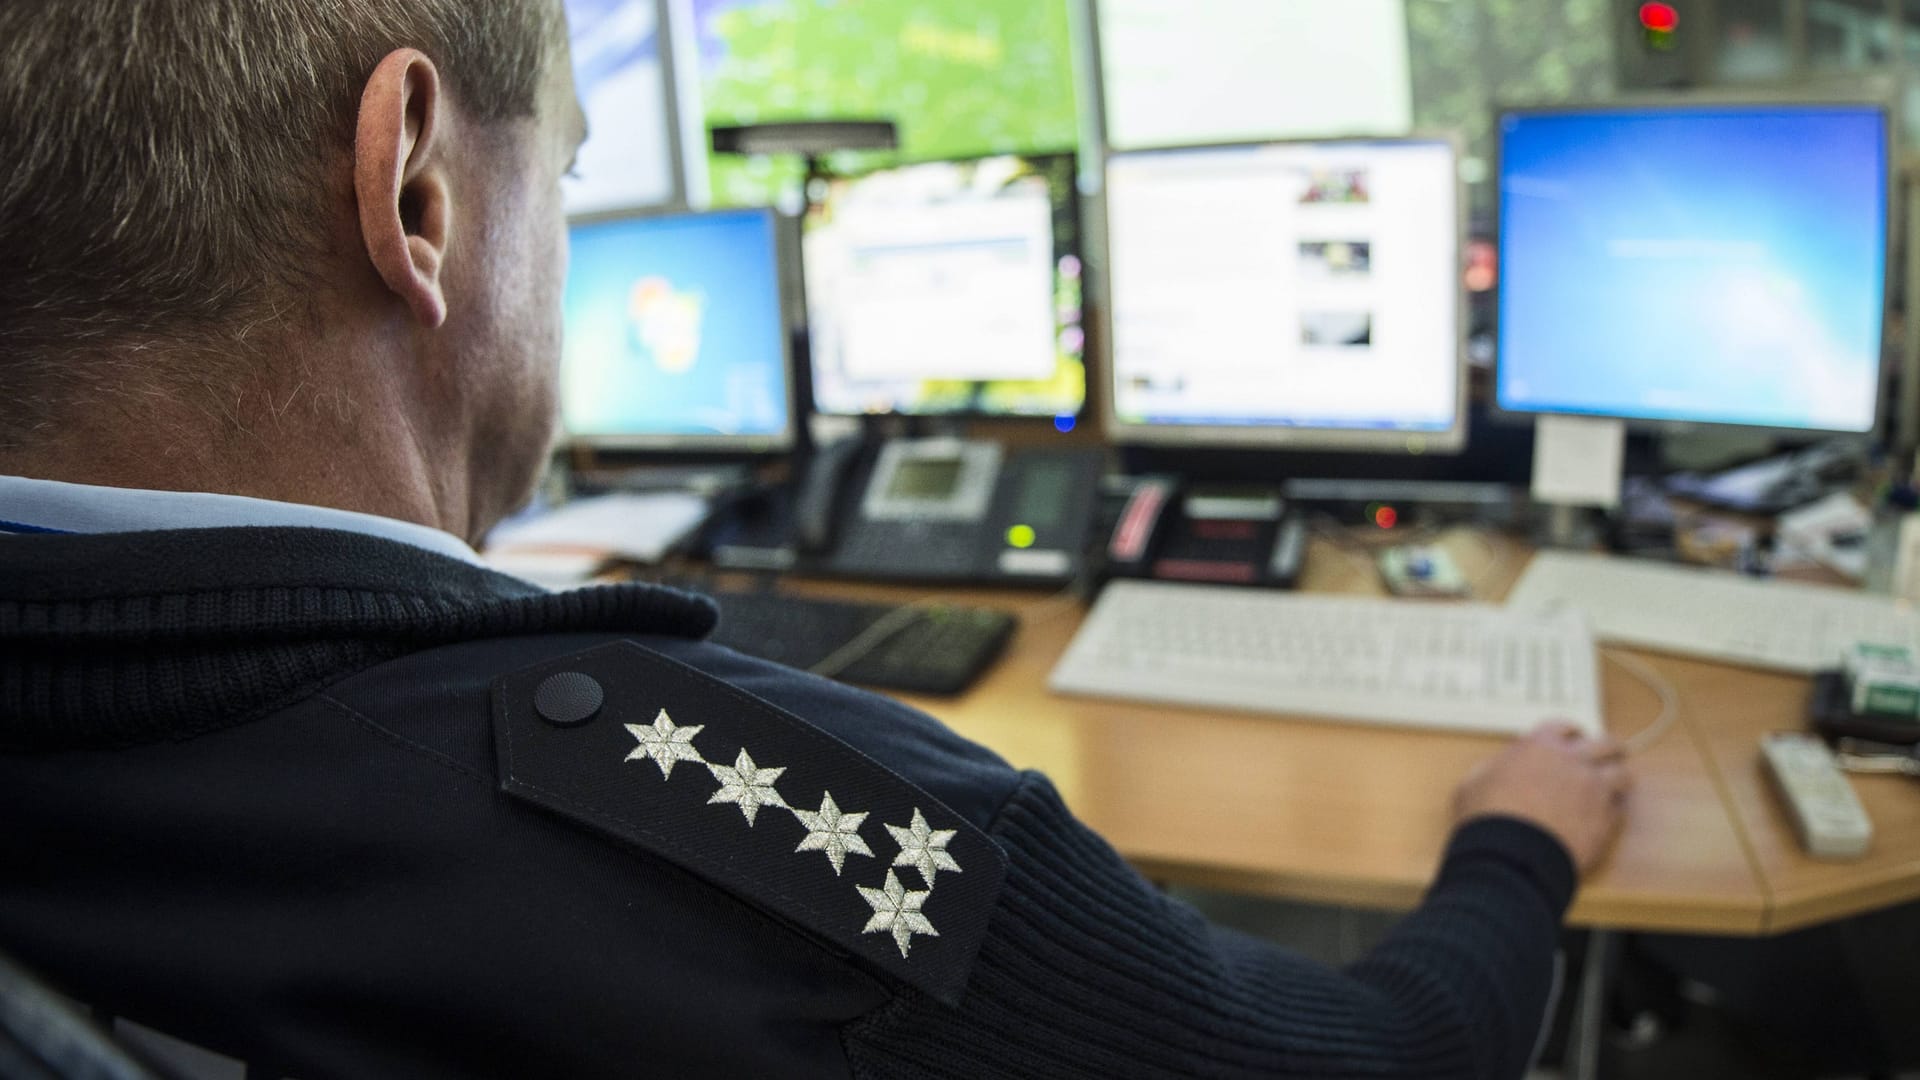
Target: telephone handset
x=1143 y=516
x=948 y=509
x=816 y=507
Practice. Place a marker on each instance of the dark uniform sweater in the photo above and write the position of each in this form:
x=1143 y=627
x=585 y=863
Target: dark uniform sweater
x=339 y=807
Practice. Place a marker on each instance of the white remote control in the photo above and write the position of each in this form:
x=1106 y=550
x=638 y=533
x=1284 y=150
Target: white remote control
x=1831 y=821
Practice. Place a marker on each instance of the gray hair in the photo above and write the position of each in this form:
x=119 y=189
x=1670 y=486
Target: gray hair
x=164 y=163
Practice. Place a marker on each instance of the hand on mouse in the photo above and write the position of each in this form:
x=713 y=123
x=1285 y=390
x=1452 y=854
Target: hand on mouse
x=1572 y=786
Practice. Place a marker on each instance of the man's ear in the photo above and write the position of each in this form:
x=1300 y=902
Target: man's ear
x=400 y=179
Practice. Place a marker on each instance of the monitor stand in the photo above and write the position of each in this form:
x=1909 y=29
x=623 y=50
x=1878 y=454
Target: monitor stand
x=1578 y=465
x=1568 y=528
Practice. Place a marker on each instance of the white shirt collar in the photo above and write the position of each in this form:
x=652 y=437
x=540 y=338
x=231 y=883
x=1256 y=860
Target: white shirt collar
x=28 y=505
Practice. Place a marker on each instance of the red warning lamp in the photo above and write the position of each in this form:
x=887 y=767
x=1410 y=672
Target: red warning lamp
x=1659 y=22
x=1386 y=517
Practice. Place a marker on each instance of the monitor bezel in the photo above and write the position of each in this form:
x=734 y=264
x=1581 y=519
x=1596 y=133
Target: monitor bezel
x=1080 y=251
x=1801 y=97
x=1450 y=440
x=751 y=446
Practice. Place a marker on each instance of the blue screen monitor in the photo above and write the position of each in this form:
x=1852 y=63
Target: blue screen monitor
x=1695 y=264
x=675 y=334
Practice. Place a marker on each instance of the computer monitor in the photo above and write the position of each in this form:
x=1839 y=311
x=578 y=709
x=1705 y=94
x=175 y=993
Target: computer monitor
x=949 y=287
x=1695 y=263
x=628 y=160
x=1290 y=294
x=676 y=335
x=1181 y=72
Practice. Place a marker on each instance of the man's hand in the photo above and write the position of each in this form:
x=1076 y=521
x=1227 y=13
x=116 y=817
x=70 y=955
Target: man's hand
x=1572 y=786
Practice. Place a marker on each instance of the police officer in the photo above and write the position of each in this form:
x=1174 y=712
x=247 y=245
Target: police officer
x=290 y=778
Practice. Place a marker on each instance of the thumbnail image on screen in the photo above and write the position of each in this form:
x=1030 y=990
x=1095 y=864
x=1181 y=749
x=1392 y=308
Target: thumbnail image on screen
x=948 y=287
x=1702 y=264
x=674 y=335
x=1287 y=292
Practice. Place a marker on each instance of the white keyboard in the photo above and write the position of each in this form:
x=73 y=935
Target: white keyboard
x=1694 y=611
x=1456 y=667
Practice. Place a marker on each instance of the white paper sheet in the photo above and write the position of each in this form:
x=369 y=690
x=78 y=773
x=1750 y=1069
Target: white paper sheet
x=642 y=528
x=1577 y=460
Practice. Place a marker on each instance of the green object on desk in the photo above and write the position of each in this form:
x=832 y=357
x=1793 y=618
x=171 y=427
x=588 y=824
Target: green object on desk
x=1883 y=680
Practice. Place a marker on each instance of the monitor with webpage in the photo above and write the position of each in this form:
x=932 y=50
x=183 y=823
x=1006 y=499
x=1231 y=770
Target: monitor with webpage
x=1695 y=263
x=948 y=287
x=1293 y=294
x=675 y=334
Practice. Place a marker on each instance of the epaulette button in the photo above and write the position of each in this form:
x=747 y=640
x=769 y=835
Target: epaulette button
x=568 y=698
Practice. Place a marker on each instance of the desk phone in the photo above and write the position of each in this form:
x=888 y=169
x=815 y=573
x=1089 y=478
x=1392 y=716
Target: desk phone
x=1165 y=529
x=952 y=510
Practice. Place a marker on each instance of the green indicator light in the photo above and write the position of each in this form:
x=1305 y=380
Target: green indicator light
x=1021 y=536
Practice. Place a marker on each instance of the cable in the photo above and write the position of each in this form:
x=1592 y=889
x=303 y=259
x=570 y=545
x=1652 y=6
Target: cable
x=863 y=643
x=1497 y=557
x=1355 y=551
x=1054 y=605
x=1362 y=551
x=1669 y=700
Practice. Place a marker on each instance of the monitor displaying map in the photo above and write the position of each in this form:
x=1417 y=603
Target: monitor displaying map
x=959 y=79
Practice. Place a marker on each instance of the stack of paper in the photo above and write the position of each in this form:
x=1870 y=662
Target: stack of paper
x=639 y=528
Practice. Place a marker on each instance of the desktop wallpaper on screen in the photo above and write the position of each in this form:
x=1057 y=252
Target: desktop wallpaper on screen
x=1720 y=265
x=673 y=328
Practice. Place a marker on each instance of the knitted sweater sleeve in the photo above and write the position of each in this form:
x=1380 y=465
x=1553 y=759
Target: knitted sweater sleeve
x=1087 y=971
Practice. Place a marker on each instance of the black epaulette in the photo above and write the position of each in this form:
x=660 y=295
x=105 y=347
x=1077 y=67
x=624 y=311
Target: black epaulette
x=754 y=800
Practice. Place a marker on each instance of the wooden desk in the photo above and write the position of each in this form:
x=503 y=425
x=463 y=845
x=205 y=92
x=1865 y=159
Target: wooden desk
x=1337 y=813
x=1737 y=708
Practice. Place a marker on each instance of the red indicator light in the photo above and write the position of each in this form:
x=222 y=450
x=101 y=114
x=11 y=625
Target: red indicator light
x=1660 y=18
x=1386 y=517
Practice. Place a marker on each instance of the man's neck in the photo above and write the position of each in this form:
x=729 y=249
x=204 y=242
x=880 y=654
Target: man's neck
x=303 y=446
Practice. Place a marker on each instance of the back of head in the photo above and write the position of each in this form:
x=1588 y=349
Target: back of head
x=166 y=167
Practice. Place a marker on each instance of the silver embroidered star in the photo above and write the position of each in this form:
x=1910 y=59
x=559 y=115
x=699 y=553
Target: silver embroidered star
x=923 y=849
x=896 y=908
x=666 y=743
x=746 y=786
x=833 y=832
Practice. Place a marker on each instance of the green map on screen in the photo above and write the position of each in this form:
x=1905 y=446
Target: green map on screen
x=961 y=78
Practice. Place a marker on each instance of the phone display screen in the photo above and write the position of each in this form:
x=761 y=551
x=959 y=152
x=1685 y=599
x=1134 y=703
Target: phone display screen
x=925 y=479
